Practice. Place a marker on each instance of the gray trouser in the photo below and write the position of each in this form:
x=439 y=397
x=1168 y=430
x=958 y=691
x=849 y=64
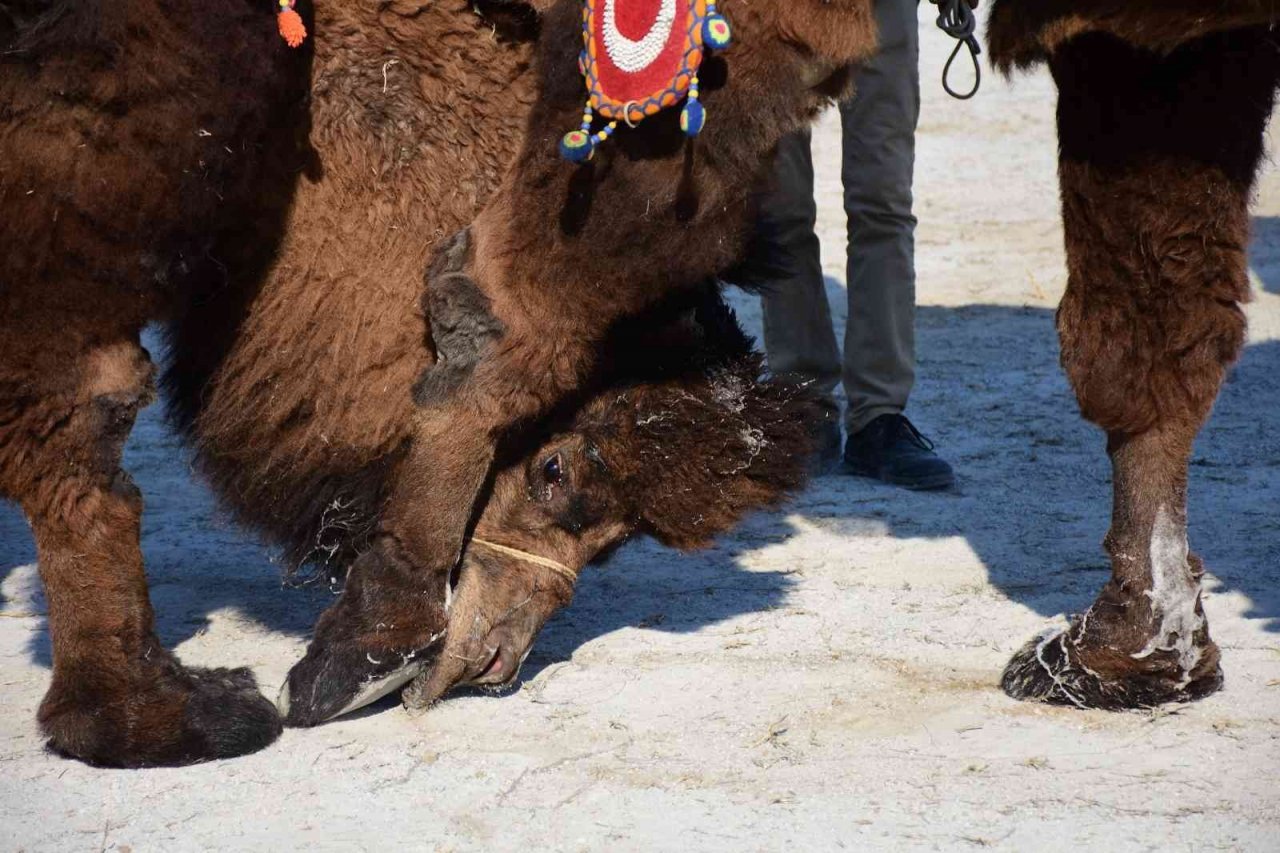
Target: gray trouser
x=879 y=125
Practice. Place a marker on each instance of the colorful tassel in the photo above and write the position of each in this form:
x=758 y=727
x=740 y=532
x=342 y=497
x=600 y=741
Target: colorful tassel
x=693 y=117
x=289 y=22
x=716 y=32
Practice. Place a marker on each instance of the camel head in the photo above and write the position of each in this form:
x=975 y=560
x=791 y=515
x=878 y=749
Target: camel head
x=680 y=455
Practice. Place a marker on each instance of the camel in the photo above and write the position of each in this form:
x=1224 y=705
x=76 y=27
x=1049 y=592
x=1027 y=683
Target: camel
x=269 y=207
x=559 y=255
x=1161 y=114
x=276 y=210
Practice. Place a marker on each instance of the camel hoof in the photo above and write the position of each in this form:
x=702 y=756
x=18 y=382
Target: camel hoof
x=168 y=716
x=338 y=679
x=1046 y=670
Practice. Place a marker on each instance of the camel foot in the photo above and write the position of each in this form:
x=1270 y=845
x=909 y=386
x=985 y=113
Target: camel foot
x=160 y=714
x=1052 y=669
x=380 y=635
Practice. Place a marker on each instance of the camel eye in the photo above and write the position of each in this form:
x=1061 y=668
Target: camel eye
x=552 y=470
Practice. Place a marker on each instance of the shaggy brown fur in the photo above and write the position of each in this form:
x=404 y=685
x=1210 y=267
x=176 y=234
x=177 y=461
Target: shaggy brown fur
x=562 y=254
x=1159 y=149
x=413 y=116
x=116 y=151
x=1024 y=32
x=277 y=209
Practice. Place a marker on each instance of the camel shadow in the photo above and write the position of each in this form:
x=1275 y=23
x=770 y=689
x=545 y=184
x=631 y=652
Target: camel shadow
x=1033 y=503
x=1033 y=499
x=200 y=563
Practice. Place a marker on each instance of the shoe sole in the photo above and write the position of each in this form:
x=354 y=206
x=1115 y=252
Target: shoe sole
x=932 y=484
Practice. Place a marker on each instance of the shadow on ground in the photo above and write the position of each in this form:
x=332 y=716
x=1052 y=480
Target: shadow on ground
x=1034 y=496
x=1033 y=504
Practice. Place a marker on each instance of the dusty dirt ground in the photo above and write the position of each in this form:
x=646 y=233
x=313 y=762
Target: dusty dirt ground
x=824 y=678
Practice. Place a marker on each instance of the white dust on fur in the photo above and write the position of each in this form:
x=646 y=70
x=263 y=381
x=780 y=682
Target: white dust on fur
x=1174 y=593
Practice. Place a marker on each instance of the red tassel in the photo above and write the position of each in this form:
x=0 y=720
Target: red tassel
x=292 y=30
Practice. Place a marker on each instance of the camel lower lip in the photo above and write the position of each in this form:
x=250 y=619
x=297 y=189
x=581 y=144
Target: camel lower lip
x=494 y=668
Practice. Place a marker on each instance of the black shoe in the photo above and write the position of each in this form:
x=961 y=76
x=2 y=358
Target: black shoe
x=891 y=449
x=826 y=440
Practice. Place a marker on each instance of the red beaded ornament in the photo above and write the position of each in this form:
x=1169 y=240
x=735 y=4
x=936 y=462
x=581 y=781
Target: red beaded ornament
x=640 y=57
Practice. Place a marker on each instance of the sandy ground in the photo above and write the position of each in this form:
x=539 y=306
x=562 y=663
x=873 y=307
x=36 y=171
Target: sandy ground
x=825 y=678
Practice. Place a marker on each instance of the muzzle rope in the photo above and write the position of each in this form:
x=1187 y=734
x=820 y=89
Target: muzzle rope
x=545 y=562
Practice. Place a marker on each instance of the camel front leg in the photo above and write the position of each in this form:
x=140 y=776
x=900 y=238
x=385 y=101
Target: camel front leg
x=1158 y=154
x=117 y=697
x=1145 y=640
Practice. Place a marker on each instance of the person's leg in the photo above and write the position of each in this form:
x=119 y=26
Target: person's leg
x=879 y=162
x=879 y=125
x=799 y=340
x=798 y=335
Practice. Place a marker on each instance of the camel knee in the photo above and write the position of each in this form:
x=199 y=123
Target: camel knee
x=116 y=381
x=64 y=433
x=1135 y=365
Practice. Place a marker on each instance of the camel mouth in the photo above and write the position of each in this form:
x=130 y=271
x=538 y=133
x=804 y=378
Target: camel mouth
x=499 y=670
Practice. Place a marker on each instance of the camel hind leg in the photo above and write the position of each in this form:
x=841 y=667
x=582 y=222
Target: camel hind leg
x=68 y=400
x=1158 y=154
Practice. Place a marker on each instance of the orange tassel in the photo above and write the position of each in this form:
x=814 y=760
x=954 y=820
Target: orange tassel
x=292 y=30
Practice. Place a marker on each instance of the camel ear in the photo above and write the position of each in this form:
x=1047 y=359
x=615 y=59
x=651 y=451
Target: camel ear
x=705 y=454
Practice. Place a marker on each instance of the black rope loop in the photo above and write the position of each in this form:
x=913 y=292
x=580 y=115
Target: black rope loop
x=956 y=19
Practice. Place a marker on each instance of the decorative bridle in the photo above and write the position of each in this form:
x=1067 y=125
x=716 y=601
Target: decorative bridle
x=638 y=58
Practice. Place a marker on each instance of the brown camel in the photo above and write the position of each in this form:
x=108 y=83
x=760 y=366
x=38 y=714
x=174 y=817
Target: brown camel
x=276 y=209
x=269 y=207
x=1161 y=112
x=1161 y=116
x=558 y=257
